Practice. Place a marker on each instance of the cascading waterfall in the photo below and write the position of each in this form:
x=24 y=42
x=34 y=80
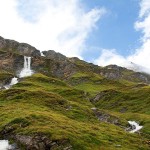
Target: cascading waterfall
x=26 y=71
x=14 y=81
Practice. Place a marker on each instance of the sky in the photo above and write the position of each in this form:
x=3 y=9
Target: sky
x=100 y=31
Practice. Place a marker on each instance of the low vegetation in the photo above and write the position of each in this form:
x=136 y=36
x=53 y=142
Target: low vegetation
x=62 y=110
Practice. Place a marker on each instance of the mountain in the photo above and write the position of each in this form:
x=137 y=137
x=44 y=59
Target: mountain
x=62 y=103
x=137 y=68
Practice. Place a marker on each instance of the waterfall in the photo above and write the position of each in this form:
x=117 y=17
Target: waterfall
x=42 y=54
x=26 y=71
x=14 y=81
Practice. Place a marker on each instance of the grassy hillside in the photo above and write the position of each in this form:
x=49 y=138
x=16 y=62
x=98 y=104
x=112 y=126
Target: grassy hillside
x=62 y=111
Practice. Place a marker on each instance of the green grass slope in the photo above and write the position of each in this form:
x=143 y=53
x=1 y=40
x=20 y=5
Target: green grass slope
x=62 y=110
x=125 y=99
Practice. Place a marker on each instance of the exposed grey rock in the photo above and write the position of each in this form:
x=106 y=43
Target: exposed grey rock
x=103 y=94
x=2 y=42
x=41 y=142
x=51 y=54
x=115 y=72
x=16 y=47
x=28 y=50
x=112 y=72
x=105 y=117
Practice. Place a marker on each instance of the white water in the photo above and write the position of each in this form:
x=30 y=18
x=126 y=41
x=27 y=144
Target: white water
x=26 y=71
x=4 y=145
x=14 y=81
x=135 y=125
x=42 y=54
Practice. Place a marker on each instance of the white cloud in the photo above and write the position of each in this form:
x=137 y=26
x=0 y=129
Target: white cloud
x=142 y=54
x=108 y=57
x=49 y=24
x=145 y=8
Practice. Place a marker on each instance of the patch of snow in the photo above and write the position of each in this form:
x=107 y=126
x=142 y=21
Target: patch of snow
x=136 y=127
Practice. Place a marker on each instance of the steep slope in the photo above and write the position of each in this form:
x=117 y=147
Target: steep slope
x=71 y=104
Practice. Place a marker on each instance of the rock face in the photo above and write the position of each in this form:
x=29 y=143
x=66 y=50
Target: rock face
x=41 y=142
x=10 y=62
x=105 y=117
x=12 y=53
x=115 y=72
x=56 y=64
x=38 y=141
x=16 y=47
x=112 y=72
x=103 y=94
x=51 y=54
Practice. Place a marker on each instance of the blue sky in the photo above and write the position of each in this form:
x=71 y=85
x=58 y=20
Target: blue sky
x=100 y=31
x=116 y=29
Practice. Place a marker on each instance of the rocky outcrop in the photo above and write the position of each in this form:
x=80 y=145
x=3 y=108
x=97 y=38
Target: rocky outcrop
x=105 y=117
x=37 y=141
x=19 y=48
x=41 y=142
x=11 y=62
x=51 y=54
x=103 y=95
x=115 y=72
x=112 y=72
x=145 y=78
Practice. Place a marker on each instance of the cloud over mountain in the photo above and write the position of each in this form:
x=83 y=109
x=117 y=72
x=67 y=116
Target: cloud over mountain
x=49 y=24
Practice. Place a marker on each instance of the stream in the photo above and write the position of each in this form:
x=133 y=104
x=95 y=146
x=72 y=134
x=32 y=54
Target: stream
x=135 y=126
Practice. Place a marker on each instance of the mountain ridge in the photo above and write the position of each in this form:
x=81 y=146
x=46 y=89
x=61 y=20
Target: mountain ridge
x=67 y=66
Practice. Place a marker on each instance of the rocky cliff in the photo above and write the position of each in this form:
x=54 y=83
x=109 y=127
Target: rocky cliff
x=56 y=64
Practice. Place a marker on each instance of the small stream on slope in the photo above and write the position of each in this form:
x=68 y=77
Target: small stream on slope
x=5 y=145
x=135 y=126
x=14 y=81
